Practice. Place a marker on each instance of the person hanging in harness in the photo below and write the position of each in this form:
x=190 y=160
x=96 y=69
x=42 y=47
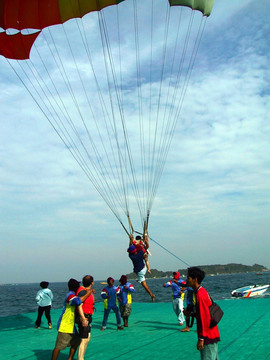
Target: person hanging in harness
x=137 y=256
x=142 y=243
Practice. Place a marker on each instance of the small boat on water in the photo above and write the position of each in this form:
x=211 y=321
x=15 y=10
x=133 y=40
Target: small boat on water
x=250 y=290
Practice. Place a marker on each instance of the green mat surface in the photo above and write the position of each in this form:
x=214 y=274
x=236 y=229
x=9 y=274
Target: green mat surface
x=153 y=333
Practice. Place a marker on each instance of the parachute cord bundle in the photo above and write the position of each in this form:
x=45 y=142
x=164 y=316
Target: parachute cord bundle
x=116 y=109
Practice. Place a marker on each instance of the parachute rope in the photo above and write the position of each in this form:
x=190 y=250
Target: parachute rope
x=104 y=110
x=106 y=46
x=100 y=179
x=164 y=248
x=67 y=144
x=167 y=143
x=99 y=130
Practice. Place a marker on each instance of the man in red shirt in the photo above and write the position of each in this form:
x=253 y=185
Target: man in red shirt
x=208 y=337
x=88 y=309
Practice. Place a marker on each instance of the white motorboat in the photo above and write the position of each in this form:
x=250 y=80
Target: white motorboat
x=250 y=290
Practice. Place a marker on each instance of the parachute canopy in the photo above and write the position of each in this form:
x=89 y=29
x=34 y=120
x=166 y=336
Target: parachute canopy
x=111 y=81
x=38 y=14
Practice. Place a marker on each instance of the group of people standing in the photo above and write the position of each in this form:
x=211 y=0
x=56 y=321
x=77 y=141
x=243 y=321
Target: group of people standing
x=79 y=305
x=78 y=310
x=197 y=298
x=114 y=295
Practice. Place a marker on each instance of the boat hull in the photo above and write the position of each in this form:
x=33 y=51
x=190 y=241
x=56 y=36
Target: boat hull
x=250 y=291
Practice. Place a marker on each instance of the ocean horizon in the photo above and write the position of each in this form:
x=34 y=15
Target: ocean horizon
x=21 y=297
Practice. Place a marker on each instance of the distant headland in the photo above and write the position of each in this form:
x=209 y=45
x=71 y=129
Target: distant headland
x=209 y=270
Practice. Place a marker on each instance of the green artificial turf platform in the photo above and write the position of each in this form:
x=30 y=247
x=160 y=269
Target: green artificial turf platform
x=153 y=333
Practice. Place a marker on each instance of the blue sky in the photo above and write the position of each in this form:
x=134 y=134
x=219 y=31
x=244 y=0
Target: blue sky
x=212 y=204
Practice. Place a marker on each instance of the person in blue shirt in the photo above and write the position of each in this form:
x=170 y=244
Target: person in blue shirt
x=139 y=266
x=125 y=298
x=44 y=300
x=177 y=286
x=109 y=294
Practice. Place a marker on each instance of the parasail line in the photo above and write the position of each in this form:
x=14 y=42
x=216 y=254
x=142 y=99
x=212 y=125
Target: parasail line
x=98 y=172
x=82 y=118
x=167 y=128
x=105 y=41
x=163 y=247
x=103 y=106
x=64 y=141
x=104 y=29
x=191 y=65
x=183 y=91
x=131 y=164
x=139 y=98
x=75 y=102
x=105 y=45
x=161 y=163
x=101 y=142
x=150 y=96
x=156 y=145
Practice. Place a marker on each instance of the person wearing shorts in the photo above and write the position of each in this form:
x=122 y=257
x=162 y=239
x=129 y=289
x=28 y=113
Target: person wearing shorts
x=142 y=244
x=125 y=298
x=88 y=309
x=67 y=334
x=65 y=340
x=139 y=267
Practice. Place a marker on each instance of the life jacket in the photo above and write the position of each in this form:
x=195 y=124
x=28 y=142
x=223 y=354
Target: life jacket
x=88 y=304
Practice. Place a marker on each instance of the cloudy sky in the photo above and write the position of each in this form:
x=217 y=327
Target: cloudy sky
x=212 y=205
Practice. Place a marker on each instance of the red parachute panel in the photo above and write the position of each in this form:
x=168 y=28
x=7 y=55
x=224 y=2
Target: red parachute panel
x=38 y=14
x=17 y=46
x=29 y=14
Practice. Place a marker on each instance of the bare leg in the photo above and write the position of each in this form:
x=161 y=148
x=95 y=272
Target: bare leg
x=125 y=318
x=72 y=352
x=148 y=266
x=55 y=354
x=186 y=329
x=148 y=290
x=83 y=347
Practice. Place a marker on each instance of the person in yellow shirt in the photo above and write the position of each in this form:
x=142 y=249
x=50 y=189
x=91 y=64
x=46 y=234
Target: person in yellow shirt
x=67 y=333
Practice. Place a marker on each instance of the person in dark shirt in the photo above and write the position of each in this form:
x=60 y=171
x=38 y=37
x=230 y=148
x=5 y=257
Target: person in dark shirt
x=139 y=267
x=142 y=244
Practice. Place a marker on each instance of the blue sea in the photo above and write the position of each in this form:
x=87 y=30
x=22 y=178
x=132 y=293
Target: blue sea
x=20 y=298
